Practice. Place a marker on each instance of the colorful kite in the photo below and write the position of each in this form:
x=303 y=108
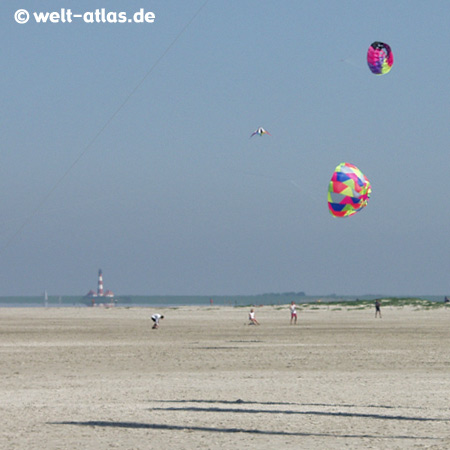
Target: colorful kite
x=380 y=58
x=348 y=192
x=260 y=131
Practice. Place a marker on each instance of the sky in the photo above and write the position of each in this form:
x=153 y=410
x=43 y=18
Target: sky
x=125 y=147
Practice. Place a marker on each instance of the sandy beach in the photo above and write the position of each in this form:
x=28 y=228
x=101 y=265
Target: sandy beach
x=95 y=378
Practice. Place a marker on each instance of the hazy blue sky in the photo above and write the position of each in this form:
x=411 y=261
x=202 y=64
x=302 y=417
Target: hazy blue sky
x=174 y=198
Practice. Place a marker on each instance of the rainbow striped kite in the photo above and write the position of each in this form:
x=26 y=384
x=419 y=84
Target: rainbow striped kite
x=348 y=192
x=380 y=58
x=260 y=131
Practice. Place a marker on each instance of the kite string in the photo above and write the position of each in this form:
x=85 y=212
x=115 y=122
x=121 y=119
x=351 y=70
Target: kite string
x=305 y=190
x=99 y=133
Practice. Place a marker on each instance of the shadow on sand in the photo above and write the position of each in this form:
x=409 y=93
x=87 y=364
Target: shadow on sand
x=307 y=413
x=155 y=426
x=245 y=402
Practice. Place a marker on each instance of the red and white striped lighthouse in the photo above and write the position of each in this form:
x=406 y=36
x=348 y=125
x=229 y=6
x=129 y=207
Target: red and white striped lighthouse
x=100 y=283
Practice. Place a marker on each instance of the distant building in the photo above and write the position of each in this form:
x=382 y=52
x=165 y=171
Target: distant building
x=100 y=292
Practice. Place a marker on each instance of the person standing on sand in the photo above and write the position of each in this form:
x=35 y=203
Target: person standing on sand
x=251 y=317
x=293 y=309
x=156 y=318
x=377 y=308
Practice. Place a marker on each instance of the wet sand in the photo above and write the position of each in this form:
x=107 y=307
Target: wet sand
x=94 y=378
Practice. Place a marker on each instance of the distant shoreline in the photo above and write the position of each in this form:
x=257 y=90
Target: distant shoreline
x=220 y=301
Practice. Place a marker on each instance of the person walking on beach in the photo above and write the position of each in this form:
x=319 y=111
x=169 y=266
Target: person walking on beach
x=251 y=317
x=377 y=308
x=156 y=318
x=293 y=308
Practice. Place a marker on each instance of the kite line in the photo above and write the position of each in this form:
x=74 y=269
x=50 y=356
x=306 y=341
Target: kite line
x=100 y=132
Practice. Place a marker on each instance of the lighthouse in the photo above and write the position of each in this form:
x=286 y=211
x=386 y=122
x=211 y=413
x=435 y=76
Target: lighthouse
x=100 y=283
x=100 y=291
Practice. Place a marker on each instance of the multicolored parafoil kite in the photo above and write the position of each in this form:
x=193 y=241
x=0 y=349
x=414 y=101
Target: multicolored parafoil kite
x=260 y=131
x=380 y=58
x=348 y=192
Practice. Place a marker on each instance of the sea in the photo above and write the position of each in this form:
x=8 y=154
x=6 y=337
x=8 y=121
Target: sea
x=173 y=301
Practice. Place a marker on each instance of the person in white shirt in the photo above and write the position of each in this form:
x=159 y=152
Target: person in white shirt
x=156 y=318
x=252 y=318
x=293 y=309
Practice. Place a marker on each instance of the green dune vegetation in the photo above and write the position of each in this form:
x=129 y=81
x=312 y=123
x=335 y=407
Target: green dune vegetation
x=398 y=302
